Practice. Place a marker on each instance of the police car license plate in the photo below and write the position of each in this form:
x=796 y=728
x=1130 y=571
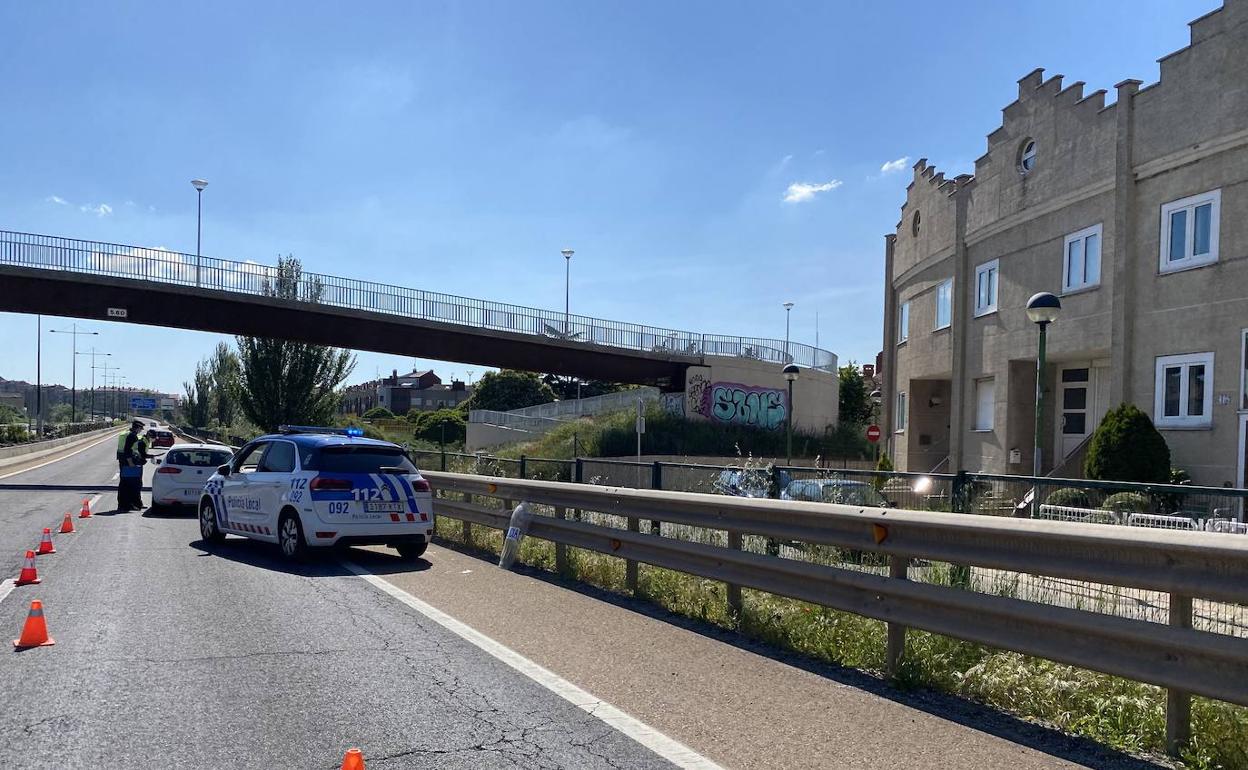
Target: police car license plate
x=383 y=506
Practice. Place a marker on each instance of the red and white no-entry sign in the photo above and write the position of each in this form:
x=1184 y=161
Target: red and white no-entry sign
x=873 y=433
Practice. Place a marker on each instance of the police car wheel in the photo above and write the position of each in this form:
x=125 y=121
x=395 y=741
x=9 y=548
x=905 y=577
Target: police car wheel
x=290 y=537
x=208 y=524
x=411 y=551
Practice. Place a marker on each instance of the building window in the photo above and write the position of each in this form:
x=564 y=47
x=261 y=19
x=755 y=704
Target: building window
x=944 y=304
x=914 y=224
x=1183 y=396
x=1027 y=156
x=1189 y=231
x=985 y=403
x=903 y=411
x=986 y=288
x=1082 y=268
x=903 y=323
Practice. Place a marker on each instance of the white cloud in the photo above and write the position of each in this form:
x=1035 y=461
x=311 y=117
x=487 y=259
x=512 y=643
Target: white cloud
x=58 y=200
x=894 y=166
x=799 y=192
x=102 y=210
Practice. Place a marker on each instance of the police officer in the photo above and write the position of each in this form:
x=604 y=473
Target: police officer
x=129 y=469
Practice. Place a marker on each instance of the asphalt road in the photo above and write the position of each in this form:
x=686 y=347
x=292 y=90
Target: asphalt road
x=171 y=653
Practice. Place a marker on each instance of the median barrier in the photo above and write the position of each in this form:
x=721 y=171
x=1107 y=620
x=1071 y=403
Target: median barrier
x=12 y=455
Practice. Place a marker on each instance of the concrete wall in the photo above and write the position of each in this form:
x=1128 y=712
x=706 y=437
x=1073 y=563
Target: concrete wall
x=755 y=393
x=1110 y=165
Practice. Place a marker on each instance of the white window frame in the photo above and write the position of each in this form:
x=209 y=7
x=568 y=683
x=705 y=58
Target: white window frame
x=1027 y=152
x=979 y=426
x=1189 y=204
x=901 y=419
x=947 y=287
x=1203 y=420
x=995 y=267
x=1068 y=285
x=903 y=323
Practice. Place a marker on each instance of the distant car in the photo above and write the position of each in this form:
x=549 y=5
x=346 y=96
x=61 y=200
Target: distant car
x=161 y=438
x=834 y=490
x=311 y=487
x=181 y=474
x=744 y=482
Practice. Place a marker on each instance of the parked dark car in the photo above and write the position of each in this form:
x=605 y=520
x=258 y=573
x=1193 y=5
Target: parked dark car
x=841 y=491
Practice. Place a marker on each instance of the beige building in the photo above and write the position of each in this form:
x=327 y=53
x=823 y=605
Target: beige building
x=1136 y=215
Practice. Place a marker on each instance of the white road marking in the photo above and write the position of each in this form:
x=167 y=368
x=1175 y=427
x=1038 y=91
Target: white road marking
x=6 y=587
x=62 y=457
x=670 y=749
x=114 y=477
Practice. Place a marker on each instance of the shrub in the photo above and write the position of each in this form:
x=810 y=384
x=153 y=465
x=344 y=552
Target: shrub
x=1127 y=447
x=433 y=426
x=379 y=413
x=884 y=465
x=1071 y=497
x=1128 y=502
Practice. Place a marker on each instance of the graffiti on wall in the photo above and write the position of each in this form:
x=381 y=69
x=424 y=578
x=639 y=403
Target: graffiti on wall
x=746 y=405
x=698 y=395
x=674 y=403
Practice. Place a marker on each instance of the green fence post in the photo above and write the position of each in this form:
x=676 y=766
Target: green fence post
x=960 y=502
x=523 y=466
x=656 y=482
x=579 y=478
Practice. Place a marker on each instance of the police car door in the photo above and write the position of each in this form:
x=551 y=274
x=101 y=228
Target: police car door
x=273 y=481
x=242 y=490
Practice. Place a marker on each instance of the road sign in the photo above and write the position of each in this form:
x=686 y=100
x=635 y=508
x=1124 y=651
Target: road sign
x=142 y=403
x=873 y=433
x=117 y=312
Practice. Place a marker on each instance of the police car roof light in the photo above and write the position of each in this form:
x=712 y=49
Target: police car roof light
x=289 y=429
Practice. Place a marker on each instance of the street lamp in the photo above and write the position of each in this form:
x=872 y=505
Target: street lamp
x=567 y=287
x=73 y=379
x=199 y=185
x=1043 y=309
x=790 y=375
x=93 y=353
x=788 y=308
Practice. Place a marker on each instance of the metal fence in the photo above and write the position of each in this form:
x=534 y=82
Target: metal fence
x=576 y=407
x=955 y=575
x=172 y=267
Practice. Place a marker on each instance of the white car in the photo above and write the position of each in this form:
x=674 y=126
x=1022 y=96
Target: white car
x=313 y=487
x=182 y=472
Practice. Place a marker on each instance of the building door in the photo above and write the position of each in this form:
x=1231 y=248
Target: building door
x=1074 y=402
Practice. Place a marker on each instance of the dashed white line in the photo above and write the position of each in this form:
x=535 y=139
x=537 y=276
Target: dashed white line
x=670 y=749
x=6 y=587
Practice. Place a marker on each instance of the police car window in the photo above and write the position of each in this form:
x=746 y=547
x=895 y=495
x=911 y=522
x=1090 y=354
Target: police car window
x=249 y=458
x=280 y=458
x=360 y=459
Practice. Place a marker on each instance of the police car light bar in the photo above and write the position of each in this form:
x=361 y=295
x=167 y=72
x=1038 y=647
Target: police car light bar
x=315 y=429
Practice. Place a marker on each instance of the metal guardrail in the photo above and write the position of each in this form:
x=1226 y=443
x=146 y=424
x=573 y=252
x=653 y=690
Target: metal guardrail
x=172 y=267
x=1185 y=565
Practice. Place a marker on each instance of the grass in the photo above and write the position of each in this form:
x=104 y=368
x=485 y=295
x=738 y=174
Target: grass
x=1126 y=715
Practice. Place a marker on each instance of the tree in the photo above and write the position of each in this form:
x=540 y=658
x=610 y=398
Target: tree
x=9 y=414
x=443 y=425
x=1127 y=447
x=509 y=389
x=286 y=382
x=223 y=369
x=566 y=388
x=855 y=398
x=197 y=406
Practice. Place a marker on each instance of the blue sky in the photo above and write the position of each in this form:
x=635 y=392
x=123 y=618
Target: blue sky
x=707 y=160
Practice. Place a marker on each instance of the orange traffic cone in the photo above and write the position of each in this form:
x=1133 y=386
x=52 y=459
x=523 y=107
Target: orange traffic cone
x=354 y=760
x=29 y=575
x=45 y=545
x=67 y=526
x=85 y=513
x=35 y=632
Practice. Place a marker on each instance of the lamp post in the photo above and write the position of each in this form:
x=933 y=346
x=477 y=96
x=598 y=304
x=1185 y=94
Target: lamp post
x=39 y=376
x=199 y=185
x=790 y=375
x=567 y=288
x=106 y=369
x=1043 y=309
x=73 y=378
x=93 y=353
x=788 y=309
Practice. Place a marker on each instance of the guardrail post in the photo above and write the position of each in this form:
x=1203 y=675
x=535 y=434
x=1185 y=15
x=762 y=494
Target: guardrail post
x=734 y=591
x=774 y=487
x=656 y=482
x=578 y=478
x=630 y=566
x=1178 y=702
x=561 y=550
x=960 y=502
x=896 y=644
x=467 y=524
x=444 y=459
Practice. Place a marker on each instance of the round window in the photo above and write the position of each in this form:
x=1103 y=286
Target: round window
x=1027 y=156
x=914 y=223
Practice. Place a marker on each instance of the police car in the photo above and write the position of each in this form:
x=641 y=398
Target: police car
x=308 y=487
